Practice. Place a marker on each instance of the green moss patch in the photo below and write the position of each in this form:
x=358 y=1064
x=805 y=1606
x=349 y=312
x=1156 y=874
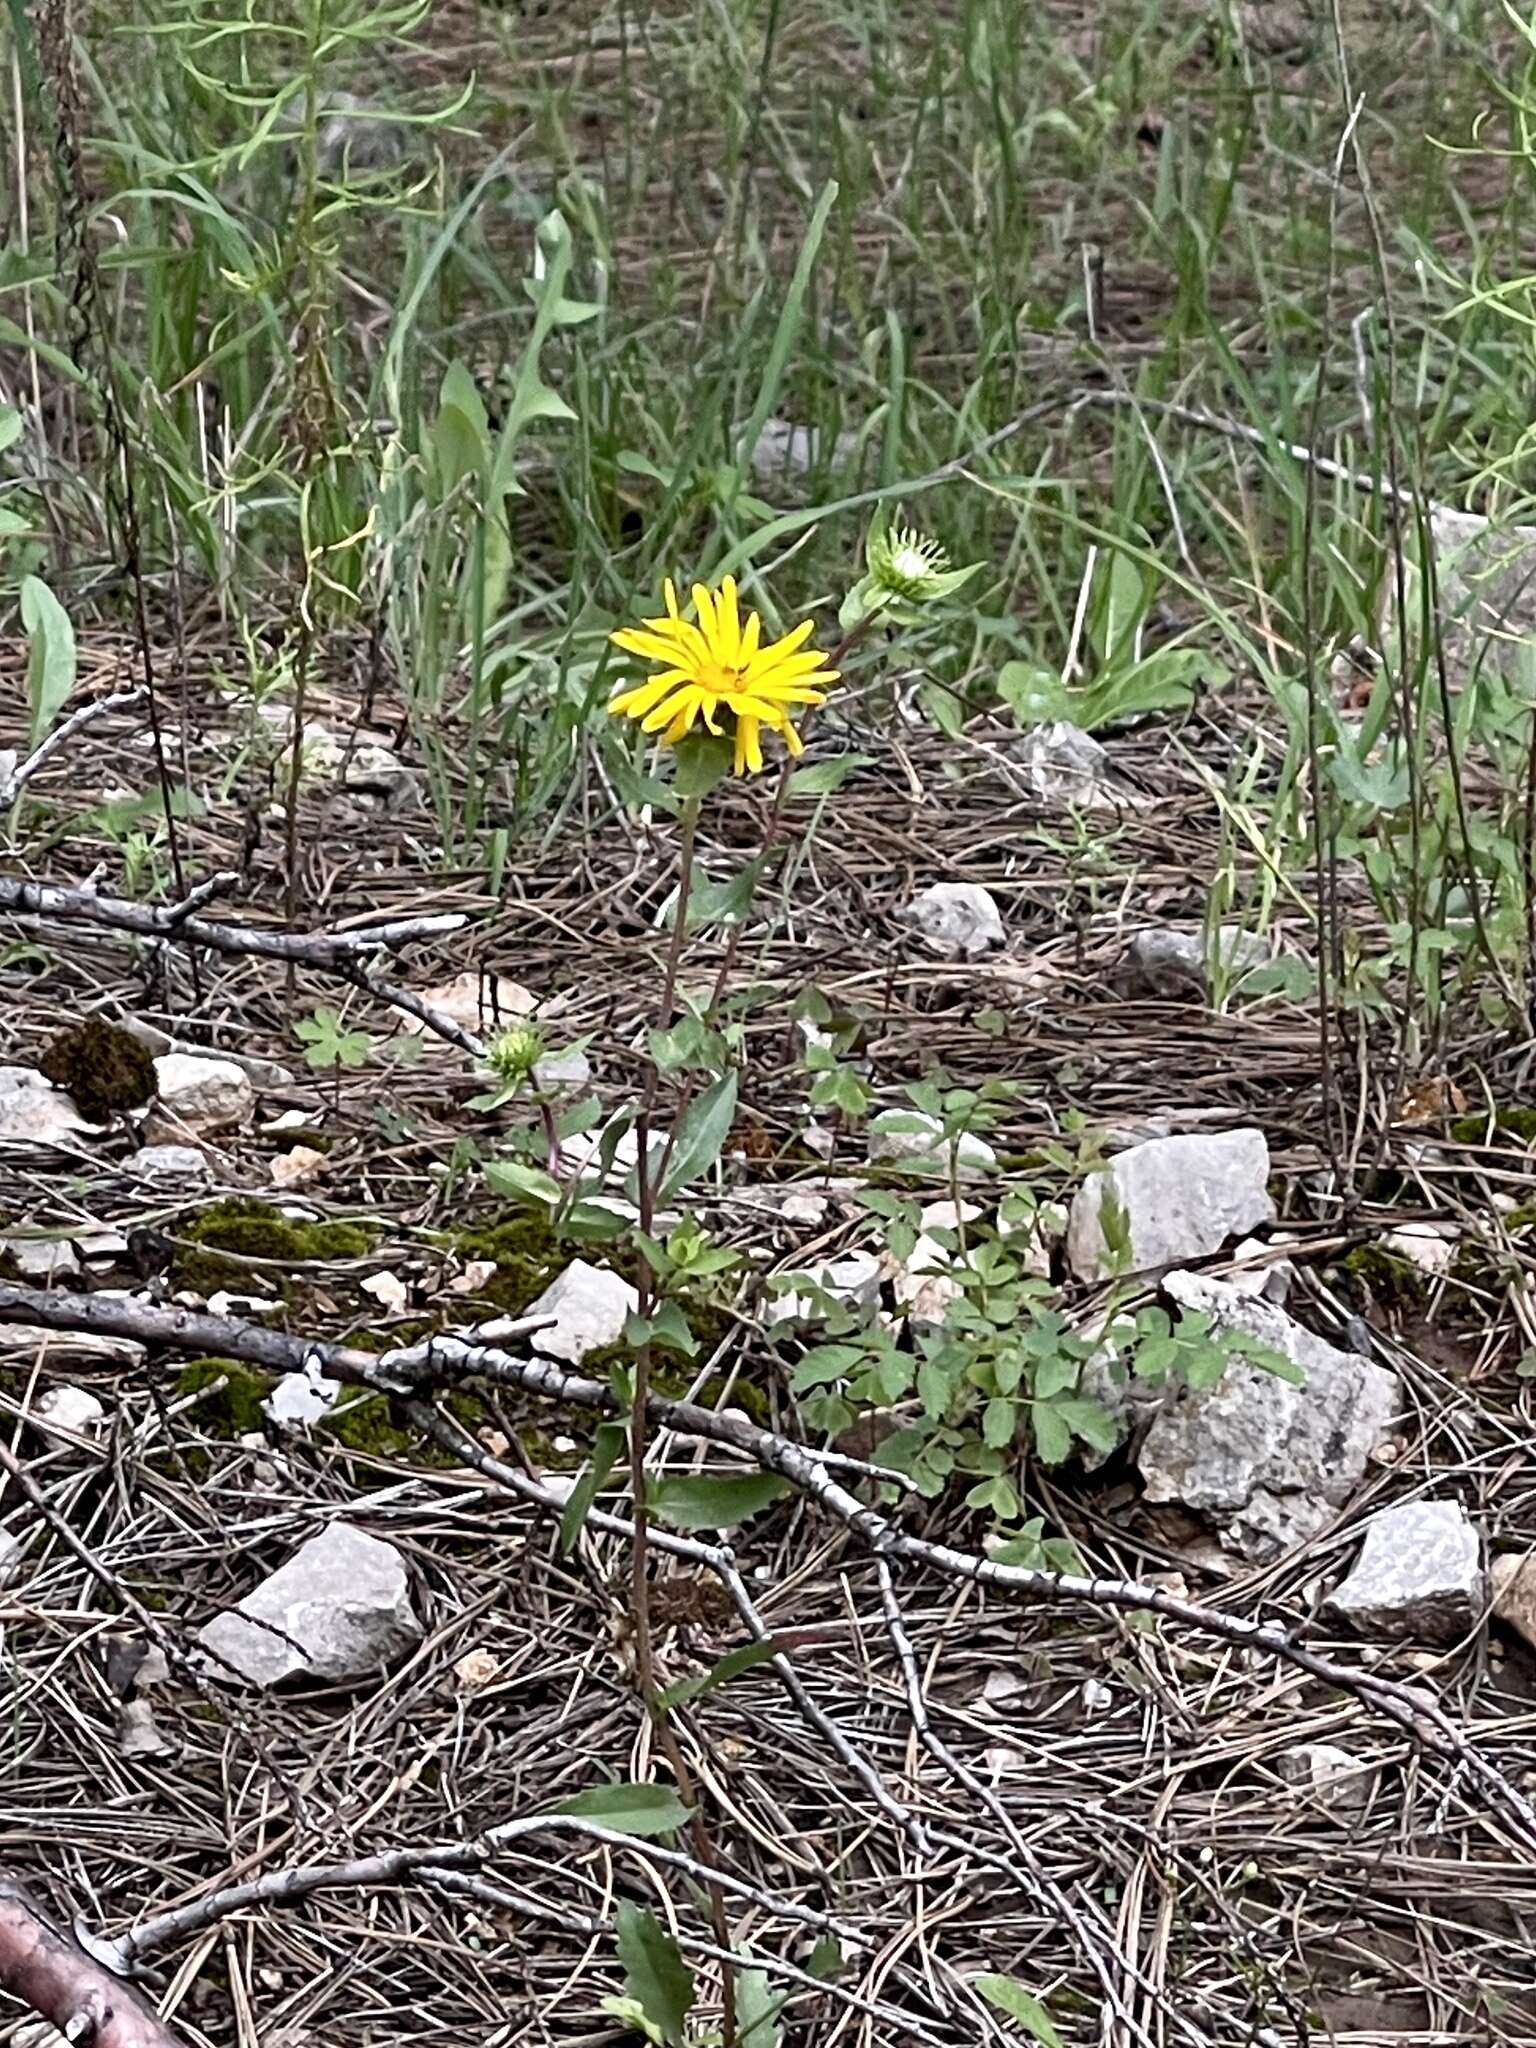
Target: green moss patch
x=374 y=1428
x=1392 y=1281
x=234 y=1409
x=246 y=1229
x=1517 y=1123
x=527 y=1256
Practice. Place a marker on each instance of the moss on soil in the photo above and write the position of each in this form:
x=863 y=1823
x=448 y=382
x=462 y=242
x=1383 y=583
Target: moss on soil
x=1518 y=1122
x=526 y=1253
x=235 y=1409
x=247 y=1229
x=1392 y=1281
x=374 y=1428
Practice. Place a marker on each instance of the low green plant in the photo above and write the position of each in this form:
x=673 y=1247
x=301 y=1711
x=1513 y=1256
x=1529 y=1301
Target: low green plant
x=330 y=1044
x=660 y=1992
x=1122 y=678
x=1002 y=1377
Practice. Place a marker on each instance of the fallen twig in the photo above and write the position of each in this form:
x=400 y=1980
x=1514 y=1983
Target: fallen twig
x=337 y=953
x=13 y=783
x=393 y=1867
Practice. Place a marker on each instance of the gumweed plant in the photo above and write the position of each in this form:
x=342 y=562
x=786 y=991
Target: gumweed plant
x=720 y=695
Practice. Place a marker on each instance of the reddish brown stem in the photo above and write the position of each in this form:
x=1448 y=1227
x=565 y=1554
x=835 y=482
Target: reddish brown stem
x=53 y=1976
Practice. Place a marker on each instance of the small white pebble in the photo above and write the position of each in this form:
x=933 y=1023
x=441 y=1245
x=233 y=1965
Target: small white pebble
x=71 y=1408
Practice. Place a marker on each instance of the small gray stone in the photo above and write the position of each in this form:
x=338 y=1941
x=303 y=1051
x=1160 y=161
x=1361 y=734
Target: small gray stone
x=1337 y=1780
x=1259 y=1271
x=590 y=1305
x=1065 y=765
x=956 y=920
x=138 y=1733
x=1486 y=590
x=339 y=1609
x=925 y=1149
x=1269 y=1462
x=786 y=450
x=154 y=1670
x=1513 y=1582
x=266 y=1075
x=562 y=1073
x=924 y=1284
x=35 y=1114
x=71 y=1408
x=301 y=1399
x=1170 y=964
x=379 y=770
x=1181 y=1198
x=41 y=1258
x=481 y=1003
x=170 y=1162
x=201 y=1094
x=1419 y=1575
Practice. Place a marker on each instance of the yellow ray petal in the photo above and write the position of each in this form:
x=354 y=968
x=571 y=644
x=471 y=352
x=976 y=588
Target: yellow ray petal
x=749 y=748
x=728 y=623
x=770 y=705
x=754 y=704
x=681 y=705
x=682 y=725
x=704 y=605
x=645 y=696
x=649 y=644
x=773 y=661
x=791 y=641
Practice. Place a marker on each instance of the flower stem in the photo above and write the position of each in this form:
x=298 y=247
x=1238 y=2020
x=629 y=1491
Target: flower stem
x=640 y=1553
x=688 y=831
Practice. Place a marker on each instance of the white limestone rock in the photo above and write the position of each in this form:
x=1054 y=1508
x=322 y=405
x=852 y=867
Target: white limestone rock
x=71 y=1408
x=910 y=1138
x=1419 y=1576
x=1180 y=1198
x=590 y=1304
x=1269 y=1462
x=339 y=1609
x=1330 y=1775
x=197 y=1093
x=42 y=1258
x=184 y=1163
x=852 y=1282
x=956 y=920
x=37 y=1116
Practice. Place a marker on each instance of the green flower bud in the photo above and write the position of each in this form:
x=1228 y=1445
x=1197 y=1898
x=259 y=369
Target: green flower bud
x=906 y=563
x=513 y=1054
x=903 y=570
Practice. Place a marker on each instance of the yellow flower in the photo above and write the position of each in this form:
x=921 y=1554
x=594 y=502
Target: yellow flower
x=718 y=666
